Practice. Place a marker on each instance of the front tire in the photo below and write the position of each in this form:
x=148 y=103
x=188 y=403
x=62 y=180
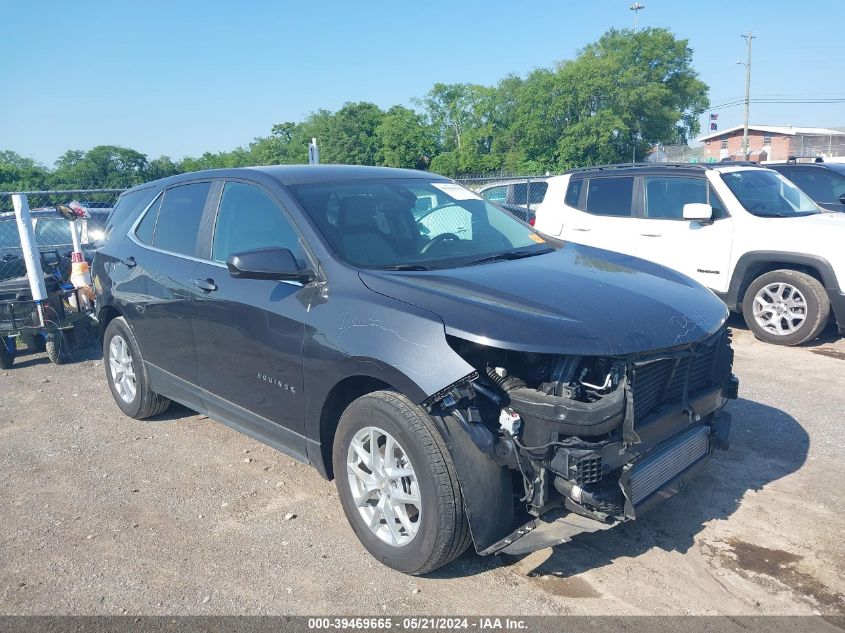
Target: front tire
x=127 y=375
x=56 y=347
x=397 y=484
x=786 y=307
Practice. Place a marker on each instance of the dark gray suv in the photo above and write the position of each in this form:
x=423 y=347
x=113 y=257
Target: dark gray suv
x=458 y=374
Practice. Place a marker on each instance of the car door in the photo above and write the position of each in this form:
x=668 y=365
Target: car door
x=159 y=262
x=249 y=332
x=824 y=186
x=700 y=250
x=604 y=213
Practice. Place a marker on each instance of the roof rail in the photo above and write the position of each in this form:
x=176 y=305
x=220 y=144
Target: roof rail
x=794 y=159
x=643 y=166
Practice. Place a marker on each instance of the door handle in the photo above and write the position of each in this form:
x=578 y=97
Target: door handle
x=651 y=234
x=583 y=229
x=206 y=285
x=129 y=262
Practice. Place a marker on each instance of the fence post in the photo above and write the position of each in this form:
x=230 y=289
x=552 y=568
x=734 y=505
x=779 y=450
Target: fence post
x=31 y=255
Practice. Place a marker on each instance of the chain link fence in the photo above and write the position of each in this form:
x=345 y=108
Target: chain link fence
x=519 y=195
x=52 y=236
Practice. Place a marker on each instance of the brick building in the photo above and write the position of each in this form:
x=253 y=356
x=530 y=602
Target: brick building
x=773 y=142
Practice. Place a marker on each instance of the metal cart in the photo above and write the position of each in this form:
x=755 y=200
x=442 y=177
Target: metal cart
x=56 y=325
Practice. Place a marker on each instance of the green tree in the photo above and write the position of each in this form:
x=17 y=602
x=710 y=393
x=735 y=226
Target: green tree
x=107 y=166
x=18 y=173
x=350 y=135
x=405 y=139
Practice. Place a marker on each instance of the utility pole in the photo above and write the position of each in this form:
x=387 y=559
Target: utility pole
x=636 y=8
x=748 y=37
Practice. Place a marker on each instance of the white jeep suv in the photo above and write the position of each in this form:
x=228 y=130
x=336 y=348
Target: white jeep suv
x=747 y=233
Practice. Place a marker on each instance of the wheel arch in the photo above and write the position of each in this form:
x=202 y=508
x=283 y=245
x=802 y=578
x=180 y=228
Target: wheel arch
x=106 y=315
x=335 y=402
x=753 y=264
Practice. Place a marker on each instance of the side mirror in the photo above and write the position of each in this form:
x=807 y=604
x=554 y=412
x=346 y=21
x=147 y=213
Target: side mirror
x=698 y=211
x=66 y=212
x=268 y=263
x=842 y=198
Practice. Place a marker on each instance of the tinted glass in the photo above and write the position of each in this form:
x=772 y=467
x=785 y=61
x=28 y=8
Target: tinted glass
x=248 y=218
x=127 y=206
x=496 y=194
x=412 y=222
x=146 y=228
x=610 y=196
x=573 y=193
x=665 y=197
x=821 y=185
x=713 y=200
x=766 y=193
x=179 y=218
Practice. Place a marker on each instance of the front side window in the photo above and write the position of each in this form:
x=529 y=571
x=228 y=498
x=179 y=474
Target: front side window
x=179 y=218
x=610 y=196
x=248 y=218
x=413 y=223
x=665 y=197
x=767 y=194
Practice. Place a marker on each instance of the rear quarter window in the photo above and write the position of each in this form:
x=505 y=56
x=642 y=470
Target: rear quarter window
x=128 y=206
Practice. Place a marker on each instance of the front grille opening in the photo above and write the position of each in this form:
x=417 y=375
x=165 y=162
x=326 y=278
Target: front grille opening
x=662 y=381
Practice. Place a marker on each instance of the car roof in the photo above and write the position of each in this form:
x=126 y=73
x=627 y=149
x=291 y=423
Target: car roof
x=300 y=174
x=837 y=167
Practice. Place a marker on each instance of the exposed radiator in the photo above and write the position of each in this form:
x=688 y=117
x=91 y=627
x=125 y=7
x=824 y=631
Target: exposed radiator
x=679 y=454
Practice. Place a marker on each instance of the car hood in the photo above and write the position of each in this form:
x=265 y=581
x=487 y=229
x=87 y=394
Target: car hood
x=576 y=300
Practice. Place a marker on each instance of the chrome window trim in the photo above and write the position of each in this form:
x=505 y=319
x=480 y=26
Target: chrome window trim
x=131 y=235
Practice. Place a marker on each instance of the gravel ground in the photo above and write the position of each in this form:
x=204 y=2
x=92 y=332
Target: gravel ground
x=180 y=515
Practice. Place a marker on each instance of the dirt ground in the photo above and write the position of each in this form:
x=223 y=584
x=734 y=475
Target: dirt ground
x=102 y=514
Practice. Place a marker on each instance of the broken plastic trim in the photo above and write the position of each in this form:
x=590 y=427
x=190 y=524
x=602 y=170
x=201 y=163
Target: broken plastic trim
x=443 y=393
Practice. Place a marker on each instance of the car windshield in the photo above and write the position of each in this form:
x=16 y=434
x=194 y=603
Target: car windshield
x=767 y=194
x=52 y=232
x=414 y=224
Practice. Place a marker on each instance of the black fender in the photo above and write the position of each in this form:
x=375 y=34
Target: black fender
x=748 y=261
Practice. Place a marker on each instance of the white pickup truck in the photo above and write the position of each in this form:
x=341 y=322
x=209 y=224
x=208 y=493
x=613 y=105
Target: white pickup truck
x=747 y=233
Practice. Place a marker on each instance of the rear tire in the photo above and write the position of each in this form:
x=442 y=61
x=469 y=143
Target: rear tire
x=7 y=358
x=433 y=530
x=786 y=307
x=55 y=346
x=127 y=375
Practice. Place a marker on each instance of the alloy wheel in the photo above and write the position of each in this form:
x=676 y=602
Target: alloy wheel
x=384 y=486
x=780 y=308
x=122 y=368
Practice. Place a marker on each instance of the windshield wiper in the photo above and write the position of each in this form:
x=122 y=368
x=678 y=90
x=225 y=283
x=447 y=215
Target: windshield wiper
x=406 y=267
x=507 y=256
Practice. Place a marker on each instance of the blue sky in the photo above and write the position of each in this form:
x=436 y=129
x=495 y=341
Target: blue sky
x=182 y=77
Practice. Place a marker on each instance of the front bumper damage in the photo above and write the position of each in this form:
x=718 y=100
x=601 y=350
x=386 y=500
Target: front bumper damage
x=618 y=448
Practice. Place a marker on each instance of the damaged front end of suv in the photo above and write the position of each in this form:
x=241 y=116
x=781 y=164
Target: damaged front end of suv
x=603 y=437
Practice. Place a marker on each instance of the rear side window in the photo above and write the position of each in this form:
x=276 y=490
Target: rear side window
x=573 y=193
x=147 y=226
x=248 y=218
x=128 y=205
x=665 y=197
x=179 y=218
x=610 y=196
